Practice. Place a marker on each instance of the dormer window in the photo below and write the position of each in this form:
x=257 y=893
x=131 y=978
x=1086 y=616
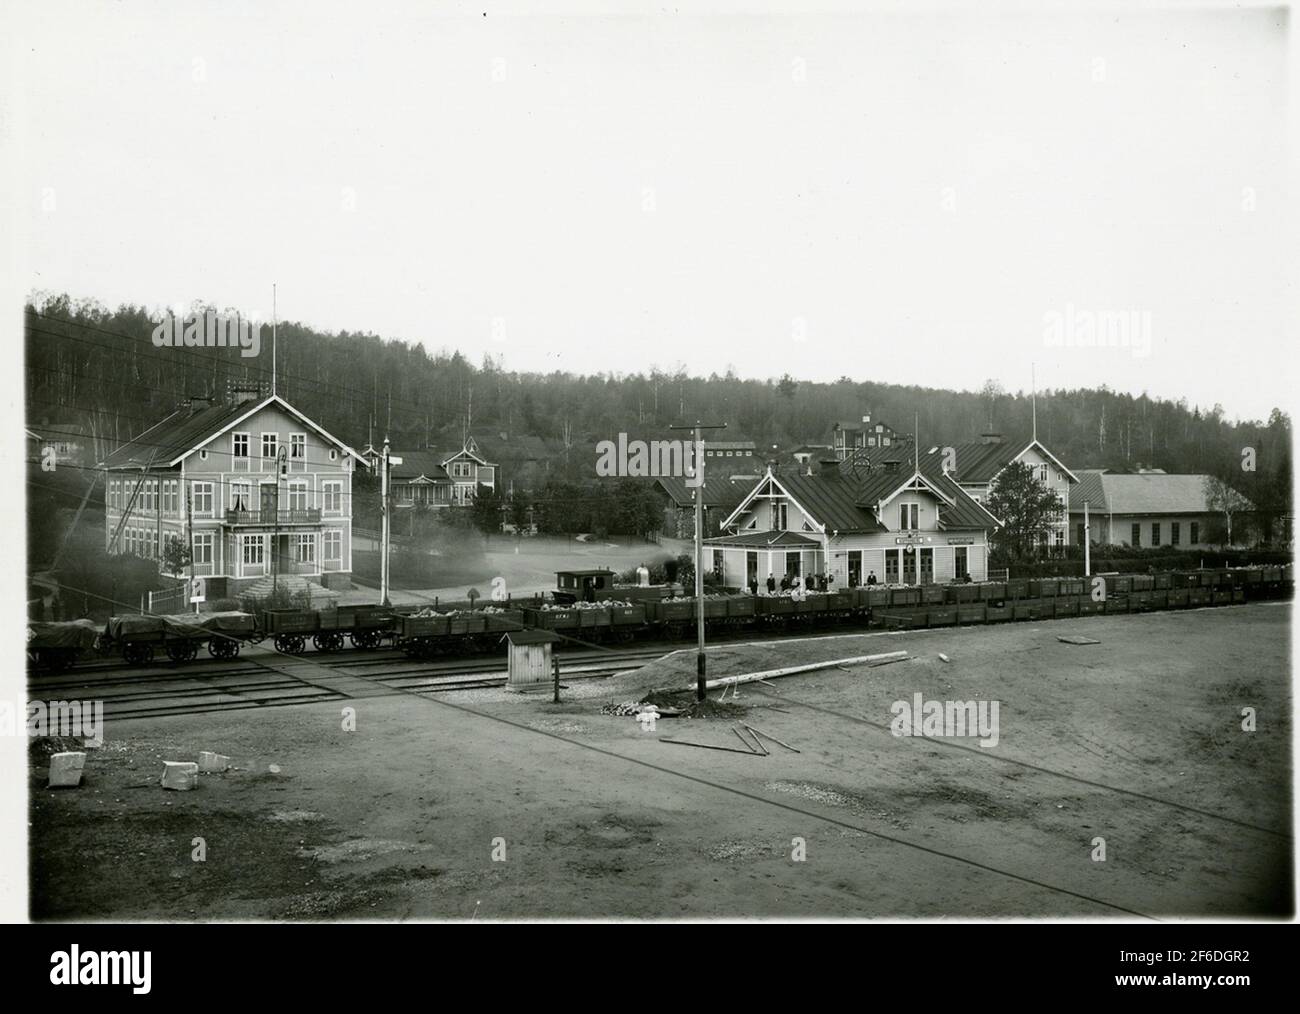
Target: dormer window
x=909 y=517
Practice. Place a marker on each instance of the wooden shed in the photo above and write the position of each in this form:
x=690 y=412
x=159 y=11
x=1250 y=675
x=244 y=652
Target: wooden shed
x=529 y=664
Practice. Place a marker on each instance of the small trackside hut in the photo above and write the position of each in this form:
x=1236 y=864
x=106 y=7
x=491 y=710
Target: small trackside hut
x=529 y=658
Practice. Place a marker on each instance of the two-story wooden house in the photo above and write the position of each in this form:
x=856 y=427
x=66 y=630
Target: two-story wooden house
x=976 y=466
x=903 y=524
x=253 y=486
x=439 y=478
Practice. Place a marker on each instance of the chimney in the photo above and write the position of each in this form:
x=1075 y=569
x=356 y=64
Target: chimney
x=828 y=466
x=891 y=465
x=866 y=419
x=195 y=404
x=990 y=438
x=240 y=391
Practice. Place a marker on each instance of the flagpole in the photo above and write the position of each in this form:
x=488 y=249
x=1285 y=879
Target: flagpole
x=274 y=322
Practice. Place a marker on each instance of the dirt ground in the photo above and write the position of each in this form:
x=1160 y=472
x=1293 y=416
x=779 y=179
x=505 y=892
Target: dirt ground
x=509 y=806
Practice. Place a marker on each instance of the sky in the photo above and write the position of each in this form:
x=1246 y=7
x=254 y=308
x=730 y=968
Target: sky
x=907 y=193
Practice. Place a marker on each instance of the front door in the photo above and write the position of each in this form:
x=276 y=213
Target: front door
x=927 y=566
x=855 y=568
x=751 y=569
x=909 y=566
x=270 y=502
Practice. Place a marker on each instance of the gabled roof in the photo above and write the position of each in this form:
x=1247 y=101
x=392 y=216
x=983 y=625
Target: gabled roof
x=717 y=492
x=446 y=457
x=763 y=540
x=176 y=437
x=979 y=463
x=416 y=464
x=1146 y=493
x=827 y=498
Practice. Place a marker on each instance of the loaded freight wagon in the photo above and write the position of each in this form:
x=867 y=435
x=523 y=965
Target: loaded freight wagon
x=656 y=612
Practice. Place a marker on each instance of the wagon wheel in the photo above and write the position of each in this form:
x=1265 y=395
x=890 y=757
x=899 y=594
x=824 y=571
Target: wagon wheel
x=290 y=644
x=182 y=651
x=137 y=653
x=327 y=641
x=223 y=647
x=622 y=635
x=365 y=639
x=54 y=659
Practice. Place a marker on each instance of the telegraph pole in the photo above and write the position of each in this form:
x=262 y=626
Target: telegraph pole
x=1087 y=543
x=700 y=664
x=189 y=533
x=385 y=524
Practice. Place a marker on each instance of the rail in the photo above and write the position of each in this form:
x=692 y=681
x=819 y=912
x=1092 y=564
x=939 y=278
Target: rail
x=305 y=516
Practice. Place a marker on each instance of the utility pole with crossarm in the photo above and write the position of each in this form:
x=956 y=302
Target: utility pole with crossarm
x=700 y=664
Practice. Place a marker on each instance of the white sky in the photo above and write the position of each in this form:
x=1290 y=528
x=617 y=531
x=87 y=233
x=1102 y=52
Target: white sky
x=202 y=151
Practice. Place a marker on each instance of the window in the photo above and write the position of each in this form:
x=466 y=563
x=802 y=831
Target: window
x=461 y=470
x=305 y=549
x=1136 y=535
x=891 y=566
x=203 y=499
x=332 y=496
x=779 y=516
x=717 y=564
x=203 y=455
x=202 y=549
x=1175 y=535
x=959 y=565
x=1195 y=532
x=792 y=564
x=270 y=444
x=334 y=454
x=1155 y=533
x=297 y=496
x=240 y=451
x=297 y=452
x=333 y=545
x=241 y=496
x=909 y=516
x=252 y=550
x=1042 y=473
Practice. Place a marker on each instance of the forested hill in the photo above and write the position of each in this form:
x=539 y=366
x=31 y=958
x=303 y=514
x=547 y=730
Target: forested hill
x=98 y=369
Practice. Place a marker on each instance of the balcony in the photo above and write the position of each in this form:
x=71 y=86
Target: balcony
x=266 y=519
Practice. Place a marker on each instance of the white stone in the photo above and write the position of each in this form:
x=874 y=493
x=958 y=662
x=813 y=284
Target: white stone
x=212 y=763
x=65 y=769
x=180 y=775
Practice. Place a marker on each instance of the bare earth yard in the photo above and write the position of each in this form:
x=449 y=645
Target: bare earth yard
x=1136 y=740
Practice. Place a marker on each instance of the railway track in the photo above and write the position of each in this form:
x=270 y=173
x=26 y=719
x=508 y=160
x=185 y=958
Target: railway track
x=184 y=690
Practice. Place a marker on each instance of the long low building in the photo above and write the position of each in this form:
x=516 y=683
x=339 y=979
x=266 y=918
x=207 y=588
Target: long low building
x=898 y=523
x=1147 y=510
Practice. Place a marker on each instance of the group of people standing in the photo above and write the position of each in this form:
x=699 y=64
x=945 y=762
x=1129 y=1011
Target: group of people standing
x=797 y=587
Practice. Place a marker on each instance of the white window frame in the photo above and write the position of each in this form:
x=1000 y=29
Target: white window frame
x=241 y=488
x=275 y=449
x=201 y=549
x=331 y=490
x=248 y=542
x=304 y=550
x=247 y=457
x=299 y=486
x=332 y=545
x=297 y=462
x=200 y=490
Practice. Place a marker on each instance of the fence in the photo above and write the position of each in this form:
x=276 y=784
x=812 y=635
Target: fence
x=168 y=600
